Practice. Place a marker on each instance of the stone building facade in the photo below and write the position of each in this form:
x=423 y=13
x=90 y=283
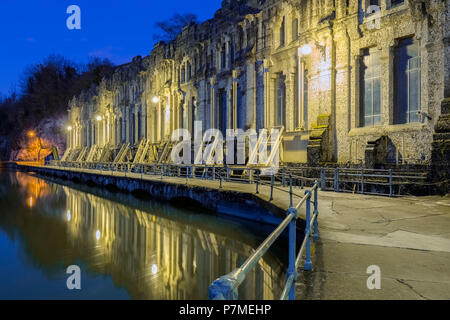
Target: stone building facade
x=351 y=82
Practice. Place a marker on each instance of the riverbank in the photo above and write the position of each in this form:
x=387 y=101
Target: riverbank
x=408 y=237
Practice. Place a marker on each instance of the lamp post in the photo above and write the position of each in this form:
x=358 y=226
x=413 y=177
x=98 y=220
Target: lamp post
x=302 y=51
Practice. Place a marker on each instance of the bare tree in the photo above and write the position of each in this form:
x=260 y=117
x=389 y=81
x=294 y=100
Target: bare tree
x=169 y=29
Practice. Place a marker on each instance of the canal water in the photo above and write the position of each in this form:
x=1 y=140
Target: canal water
x=127 y=247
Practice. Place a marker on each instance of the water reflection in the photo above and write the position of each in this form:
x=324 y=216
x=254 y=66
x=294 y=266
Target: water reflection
x=153 y=250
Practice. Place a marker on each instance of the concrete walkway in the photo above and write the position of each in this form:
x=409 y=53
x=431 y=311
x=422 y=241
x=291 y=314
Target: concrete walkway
x=408 y=238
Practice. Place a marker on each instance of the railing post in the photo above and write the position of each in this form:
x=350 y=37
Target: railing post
x=362 y=181
x=316 y=212
x=390 y=183
x=223 y=289
x=336 y=180
x=257 y=183
x=290 y=191
x=220 y=186
x=308 y=262
x=271 y=186
x=284 y=177
x=292 y=270
x=322 y=179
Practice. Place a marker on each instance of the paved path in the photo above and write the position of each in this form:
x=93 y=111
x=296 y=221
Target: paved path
x=408 y=238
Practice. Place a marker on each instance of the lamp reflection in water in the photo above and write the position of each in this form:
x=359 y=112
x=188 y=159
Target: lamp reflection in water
x=30 y=202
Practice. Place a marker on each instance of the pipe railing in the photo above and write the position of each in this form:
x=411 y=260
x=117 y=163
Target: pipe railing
x=226 y=287
x=355 y=180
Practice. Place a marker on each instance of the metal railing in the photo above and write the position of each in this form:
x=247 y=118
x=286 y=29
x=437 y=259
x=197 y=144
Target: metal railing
x=226 y=287
x=352 y=180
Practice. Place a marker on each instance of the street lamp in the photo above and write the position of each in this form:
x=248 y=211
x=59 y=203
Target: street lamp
x=305 y=50
x=99 y=118
x=155 y=99
x=69 y=128
x=31 y=134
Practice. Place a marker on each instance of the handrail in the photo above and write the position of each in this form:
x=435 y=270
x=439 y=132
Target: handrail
x=226 y=287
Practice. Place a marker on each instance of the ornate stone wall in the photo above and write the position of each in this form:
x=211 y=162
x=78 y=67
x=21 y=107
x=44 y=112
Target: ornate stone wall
x=243 y=69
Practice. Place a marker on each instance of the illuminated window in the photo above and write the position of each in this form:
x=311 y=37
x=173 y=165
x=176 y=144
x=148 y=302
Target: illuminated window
x=370 y=68
x=407 y=67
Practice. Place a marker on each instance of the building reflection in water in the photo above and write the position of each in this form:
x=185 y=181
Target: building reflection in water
x=153 y=250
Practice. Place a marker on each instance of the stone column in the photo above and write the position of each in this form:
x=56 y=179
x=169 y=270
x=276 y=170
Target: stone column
x=136 y=125
x=212 y=107
x=290 y=100
x=234 y=101
x=250 y=95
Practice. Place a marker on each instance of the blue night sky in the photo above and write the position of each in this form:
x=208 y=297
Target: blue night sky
x=31 y=30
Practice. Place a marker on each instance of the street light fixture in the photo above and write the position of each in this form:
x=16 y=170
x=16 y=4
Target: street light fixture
x=69 y=128
x=155 y=99
x=305 y=50
x=99 y=118
x=31 y=134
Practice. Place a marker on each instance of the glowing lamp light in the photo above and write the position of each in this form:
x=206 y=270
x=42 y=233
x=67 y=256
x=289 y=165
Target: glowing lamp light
x=305 y=50
x=69 y=217
x=69 y=128
x=154 y=269
x=99 y=118
x=30 y=202
x=155 y=99
x=31 y=134
x=98 y=235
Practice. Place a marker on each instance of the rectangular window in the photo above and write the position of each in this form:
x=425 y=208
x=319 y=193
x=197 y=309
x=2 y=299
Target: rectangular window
x=241 y=112
x=223 y=58
x=221 y=115
x=407 y=65
x=280 y=114
x=283 y=32
x=396 y=2
x=189 y=71
x=370 y=68
x=183 y=74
